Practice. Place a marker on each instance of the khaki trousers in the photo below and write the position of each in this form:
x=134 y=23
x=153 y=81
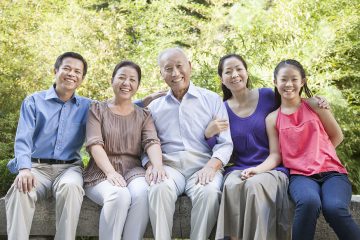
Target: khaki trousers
x=257 y=208
x=205 y=198
x=124 y=212
x=63 y=182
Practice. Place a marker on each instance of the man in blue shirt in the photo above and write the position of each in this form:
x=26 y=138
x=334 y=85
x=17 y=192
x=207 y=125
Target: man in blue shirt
x=181 y=117
x=50 y=133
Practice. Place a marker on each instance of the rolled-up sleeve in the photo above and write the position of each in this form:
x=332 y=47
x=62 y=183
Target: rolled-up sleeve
x=223 y=148
x=93 y=126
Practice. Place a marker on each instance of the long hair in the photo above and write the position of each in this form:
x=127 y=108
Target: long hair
x=301 y=70
x=226 y=92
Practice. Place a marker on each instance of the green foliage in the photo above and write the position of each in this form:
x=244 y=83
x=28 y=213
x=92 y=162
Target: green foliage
x=322 y=35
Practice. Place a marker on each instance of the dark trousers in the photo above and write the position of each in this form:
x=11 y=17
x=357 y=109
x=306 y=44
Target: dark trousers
x=329 y=192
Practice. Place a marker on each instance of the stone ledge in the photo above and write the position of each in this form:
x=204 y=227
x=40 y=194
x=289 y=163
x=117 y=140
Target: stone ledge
x=44 y=219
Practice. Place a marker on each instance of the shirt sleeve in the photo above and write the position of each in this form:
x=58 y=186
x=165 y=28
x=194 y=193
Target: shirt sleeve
x=139 y=103
x=93 y=126
x=223 y=148
x=148 y=133
x=24 y=136
x=211 y=142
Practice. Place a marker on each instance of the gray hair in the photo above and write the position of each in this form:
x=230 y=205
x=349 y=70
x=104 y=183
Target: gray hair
x=175 y=49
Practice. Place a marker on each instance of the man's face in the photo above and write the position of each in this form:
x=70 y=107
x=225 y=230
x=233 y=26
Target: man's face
x=176 y=70
x=69 y=75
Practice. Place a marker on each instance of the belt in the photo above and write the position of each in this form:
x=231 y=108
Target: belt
x=321 y=175
x=52 y=161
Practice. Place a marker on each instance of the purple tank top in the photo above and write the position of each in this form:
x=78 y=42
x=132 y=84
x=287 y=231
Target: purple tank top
x=251 y=145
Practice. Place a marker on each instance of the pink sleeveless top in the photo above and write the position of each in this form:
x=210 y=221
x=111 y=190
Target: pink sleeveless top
x=304 y=144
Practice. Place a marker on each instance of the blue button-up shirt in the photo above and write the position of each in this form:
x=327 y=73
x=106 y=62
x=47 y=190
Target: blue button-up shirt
x=181 y=125
x=49 y=128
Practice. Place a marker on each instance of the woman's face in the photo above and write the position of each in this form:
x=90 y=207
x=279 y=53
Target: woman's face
x=234 y=75
x=125 y=82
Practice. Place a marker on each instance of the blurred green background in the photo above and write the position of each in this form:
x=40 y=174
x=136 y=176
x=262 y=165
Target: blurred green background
x=324 y=35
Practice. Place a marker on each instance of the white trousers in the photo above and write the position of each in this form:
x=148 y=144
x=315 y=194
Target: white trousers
x=63 y=182
x=125 y=212
x=205 y=204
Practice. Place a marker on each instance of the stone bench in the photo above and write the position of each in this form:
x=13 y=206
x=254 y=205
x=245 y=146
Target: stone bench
x=44 y=220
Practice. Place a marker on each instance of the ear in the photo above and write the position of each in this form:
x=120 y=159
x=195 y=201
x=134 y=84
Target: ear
x=274 y=81
x=303 y=81
x=190 y=65
x=55 y=71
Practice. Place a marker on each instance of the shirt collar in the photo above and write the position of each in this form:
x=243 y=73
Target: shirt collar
x=191 y=91
x=51 y=94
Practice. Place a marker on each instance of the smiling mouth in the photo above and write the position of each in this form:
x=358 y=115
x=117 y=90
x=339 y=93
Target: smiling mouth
x=126 y=90
x=70 y=80
x=177 y=80
x=236 y=81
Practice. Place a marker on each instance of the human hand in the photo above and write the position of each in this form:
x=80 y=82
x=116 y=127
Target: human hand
x=206 y=175
x=116 y=179
x=157 y=174
x=148 y=99
x=249 y=172
x=215 y=127
x=25 y=180
x=322 y=102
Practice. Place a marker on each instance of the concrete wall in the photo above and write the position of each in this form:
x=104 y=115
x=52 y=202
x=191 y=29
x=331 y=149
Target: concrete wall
x=44 y=220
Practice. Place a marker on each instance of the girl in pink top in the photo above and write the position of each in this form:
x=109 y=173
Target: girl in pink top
x=308 y=136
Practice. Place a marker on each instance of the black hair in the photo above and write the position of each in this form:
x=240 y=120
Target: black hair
x=226 y=92
x=124 y=64
x=301 y=70
x=75 y=55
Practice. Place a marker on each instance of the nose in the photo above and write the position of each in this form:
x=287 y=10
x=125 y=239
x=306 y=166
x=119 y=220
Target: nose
x=288 y=83
x=175 y=72
x=235 y=74
x=126 y=81
x=72 y=73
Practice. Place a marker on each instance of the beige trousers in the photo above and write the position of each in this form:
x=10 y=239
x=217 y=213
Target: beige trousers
x=255 y=209
x=63 y=182
x=204 y=198
x=124 y=210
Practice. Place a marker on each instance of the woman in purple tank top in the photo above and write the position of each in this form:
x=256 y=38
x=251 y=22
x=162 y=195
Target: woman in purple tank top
x=254 y=203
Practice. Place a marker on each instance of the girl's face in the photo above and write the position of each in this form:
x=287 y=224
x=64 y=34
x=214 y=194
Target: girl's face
x=125 y=82
x=234 y=75
x=289 y=82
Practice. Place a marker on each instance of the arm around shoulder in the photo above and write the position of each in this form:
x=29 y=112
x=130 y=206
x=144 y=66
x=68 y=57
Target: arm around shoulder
x=329 y=122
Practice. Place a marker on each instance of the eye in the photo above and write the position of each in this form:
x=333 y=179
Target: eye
x=78 y=72
x=132 y=80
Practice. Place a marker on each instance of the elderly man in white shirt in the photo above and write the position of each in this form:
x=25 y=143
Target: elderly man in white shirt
x=181 y=117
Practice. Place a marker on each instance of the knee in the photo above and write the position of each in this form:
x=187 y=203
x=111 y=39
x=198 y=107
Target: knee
x=118 y=199
x=70 y=189
x=14 y=195
x=252 y=187
x=309 y=204
x=161 y=190
x=209 y=194
x=333 y=210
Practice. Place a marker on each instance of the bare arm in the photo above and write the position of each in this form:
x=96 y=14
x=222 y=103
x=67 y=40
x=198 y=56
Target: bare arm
x=103 y=162
x=155 y=173
x=330 y=124
x=274 y=158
